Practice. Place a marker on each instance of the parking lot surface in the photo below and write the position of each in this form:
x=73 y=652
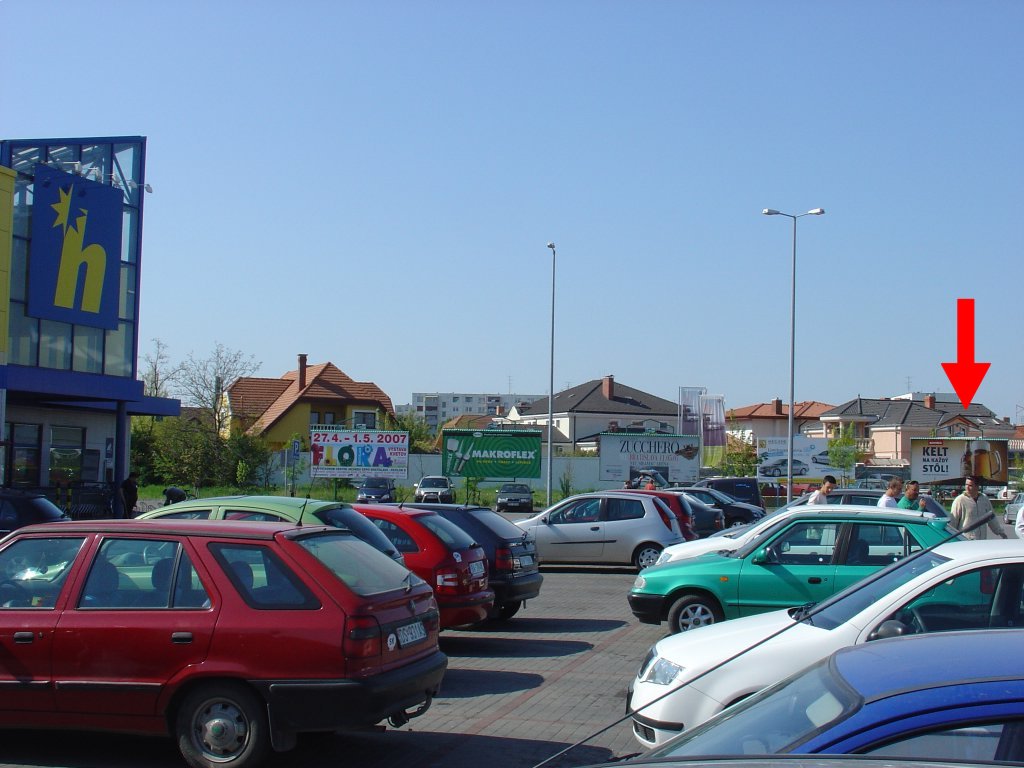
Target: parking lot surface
x=515 y=693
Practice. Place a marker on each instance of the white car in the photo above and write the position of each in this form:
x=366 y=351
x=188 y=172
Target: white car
x=1012 y=508
x=959 y=585
x=605 y=527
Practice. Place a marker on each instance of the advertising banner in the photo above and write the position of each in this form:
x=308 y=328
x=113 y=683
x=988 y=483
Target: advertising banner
x=676 y=457
x=810 y=459
x=494 y=453
x=339 y=452
x=951 y=459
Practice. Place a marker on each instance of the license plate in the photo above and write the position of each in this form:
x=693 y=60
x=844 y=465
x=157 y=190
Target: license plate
x=411 y=633
x=476 y=568
x=525 y=560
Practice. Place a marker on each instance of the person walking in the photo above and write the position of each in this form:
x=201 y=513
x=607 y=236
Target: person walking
x=912 y=498
x=892 y=494
x=970 y=507
x=820 y=496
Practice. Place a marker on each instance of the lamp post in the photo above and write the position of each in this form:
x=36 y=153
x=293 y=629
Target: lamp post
x=551 y=381
x=792 y=342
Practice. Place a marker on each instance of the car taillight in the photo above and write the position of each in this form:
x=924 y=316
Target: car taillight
x=719 y=523
x=503 y=559
x=665 y=518
x=446 y=581
x=362 y=638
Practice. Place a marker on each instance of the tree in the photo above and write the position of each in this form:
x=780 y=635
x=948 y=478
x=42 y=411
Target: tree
x=202 y=382
x=842 y=451
x=420 y=439
x=184 y=454
x=160 y=374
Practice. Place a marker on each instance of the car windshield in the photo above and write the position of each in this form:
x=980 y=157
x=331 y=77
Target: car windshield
x=434 y=482
x=772 y=721
x=365 y=570
x=514 y=488
x=375 y=482
x=844 y=605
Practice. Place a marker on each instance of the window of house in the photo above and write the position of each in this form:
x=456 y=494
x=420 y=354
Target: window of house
x=314 y=417
x=67 y=445
x=328 y=418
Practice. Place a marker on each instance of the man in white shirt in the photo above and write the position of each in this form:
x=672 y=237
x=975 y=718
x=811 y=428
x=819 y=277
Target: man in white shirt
x=820 y=496
x=891 y=497
x=970 y=507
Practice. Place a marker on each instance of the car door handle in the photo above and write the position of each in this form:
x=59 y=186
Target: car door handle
x=595 y=527
x=181 y=638
x=24 y=637
x=814 y=580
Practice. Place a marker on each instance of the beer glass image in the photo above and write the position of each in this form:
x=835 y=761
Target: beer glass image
x=987 y=463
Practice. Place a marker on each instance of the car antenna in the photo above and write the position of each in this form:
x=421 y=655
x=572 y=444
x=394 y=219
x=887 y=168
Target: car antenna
x=812 y=609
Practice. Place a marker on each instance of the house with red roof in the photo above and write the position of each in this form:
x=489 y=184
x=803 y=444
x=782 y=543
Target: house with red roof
x=278 y=409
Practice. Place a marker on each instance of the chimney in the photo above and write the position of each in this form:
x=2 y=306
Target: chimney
x=302 y=371
x=608 y=387
x=929 y=402
x=777 y=406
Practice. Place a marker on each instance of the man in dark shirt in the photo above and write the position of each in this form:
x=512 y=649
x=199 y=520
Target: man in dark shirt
x=129 y=494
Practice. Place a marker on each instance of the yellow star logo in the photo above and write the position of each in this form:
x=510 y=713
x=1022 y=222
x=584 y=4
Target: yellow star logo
x=63 y=208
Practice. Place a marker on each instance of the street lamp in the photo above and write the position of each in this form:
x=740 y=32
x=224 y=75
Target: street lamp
x=551 y=381
x=792 y=342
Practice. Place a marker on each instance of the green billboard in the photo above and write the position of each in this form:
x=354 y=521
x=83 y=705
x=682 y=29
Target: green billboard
x=489 y=453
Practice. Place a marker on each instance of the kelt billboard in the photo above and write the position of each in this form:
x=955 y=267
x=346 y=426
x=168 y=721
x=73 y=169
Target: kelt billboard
x=951 y=459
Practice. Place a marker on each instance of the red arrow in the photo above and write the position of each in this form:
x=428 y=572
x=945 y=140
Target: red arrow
x=965 y=375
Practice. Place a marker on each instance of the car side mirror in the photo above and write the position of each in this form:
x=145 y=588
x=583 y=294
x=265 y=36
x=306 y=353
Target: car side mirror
x=765 y=556
x=890 y=628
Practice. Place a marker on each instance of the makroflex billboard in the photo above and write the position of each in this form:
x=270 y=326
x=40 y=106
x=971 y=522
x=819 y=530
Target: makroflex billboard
x=677 y=457
x=951 y=459
x=490 y=453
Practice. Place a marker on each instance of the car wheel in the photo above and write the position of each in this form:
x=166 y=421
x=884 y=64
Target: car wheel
x=692 y=611
x=507 y=610
x=733 y=522
x=222 y=724
x=646 y=555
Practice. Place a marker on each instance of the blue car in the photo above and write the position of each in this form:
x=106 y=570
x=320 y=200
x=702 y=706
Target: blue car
x=948 y=695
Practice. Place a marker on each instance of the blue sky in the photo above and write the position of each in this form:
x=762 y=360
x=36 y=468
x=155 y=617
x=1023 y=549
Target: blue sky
x=374 y=184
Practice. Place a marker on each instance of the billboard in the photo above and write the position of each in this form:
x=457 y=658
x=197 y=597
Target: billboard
x=339 y=452
x=677 y=457
x=490 y=453
x=810 y=459
x=951 y=459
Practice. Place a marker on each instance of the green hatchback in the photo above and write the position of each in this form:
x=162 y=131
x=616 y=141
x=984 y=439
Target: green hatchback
x=803 y=559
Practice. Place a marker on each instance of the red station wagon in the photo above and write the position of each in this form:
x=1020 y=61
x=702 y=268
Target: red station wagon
x=443 y=555
x=230 y=636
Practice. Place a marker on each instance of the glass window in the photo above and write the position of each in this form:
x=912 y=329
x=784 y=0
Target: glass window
x=262 y=578
x=129 y=232
x=32 y=571
x=403 y=542
x=96 y=162
x=118 y=356
x=624 y=509
x=973 y=743
x=314 y=417
x=24 y=158
x=360 y=567
x=584 y=511
x=367 y=418
x=19 y=270
x=88 y=349
x=54 y=344
x=879 y=544
x=447 y=531
x=810 y=543
x=24 y=336
x=126 y=301
x=328 y=418
x=142 y=573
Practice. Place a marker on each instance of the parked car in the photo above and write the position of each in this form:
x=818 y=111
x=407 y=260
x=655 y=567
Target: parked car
x=610 y=527
x=443 y=555
x=949 y=695
x=780 y=467
x=959 y=585
x=695 y=519
x=436 y=488
x=279 y=509
x=230 y=637
x=21 y=508
x=514 y=497
x=736 y=512
x=740 y=488
x=513 y=571
x=376 y=490
x=866 y=497
x=1012 y=508
x=804 y=558
x=821 y=457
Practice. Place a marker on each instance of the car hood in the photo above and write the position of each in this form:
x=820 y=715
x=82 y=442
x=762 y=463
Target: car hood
x=747 y=505
x=690 y=549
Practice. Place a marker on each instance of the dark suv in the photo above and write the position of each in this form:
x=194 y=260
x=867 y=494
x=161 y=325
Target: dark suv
x=740 y=488
x=512 y=557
